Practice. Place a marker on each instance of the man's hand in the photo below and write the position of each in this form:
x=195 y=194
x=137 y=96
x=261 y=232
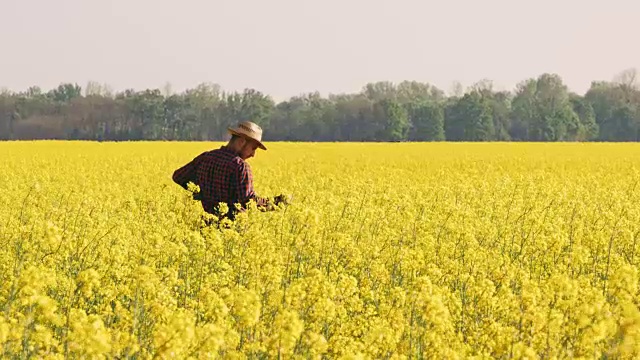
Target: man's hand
x=283 y=199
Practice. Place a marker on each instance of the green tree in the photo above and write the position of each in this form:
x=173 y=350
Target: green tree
x=391 y=121
x=409 y=92
x=381 y=90
x=248 y=105
x=501 y=113
x=542 y=105
x=65 y=92
x=588 y=128
x=427 y=121
x=616 y=106
x=8 y=115
x=204 y=119
x=626 y=123
x=146 y=115
x=470 y=119
x=540 y=109
x=355 y=118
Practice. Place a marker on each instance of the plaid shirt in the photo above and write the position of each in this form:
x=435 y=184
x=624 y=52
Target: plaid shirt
x=223 y=176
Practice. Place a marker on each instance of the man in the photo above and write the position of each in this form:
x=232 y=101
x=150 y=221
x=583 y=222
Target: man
x=223 y=174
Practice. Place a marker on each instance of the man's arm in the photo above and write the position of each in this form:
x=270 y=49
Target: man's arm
x=187 y=173
x=244 y=187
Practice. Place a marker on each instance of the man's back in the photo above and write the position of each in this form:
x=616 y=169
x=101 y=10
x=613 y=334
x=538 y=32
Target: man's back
x=222 y=175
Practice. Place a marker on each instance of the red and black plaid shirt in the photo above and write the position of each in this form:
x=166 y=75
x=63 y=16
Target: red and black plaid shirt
x=223 y=177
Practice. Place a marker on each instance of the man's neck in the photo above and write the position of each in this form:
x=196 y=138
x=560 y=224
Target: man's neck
x=231 y=148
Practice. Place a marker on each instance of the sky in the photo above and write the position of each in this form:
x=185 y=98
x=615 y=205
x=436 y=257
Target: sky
x=288 y=47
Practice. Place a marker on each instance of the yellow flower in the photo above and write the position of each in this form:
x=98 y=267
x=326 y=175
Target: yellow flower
x=473 y=251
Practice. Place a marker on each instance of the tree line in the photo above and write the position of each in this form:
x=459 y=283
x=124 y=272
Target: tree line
x=538 y=109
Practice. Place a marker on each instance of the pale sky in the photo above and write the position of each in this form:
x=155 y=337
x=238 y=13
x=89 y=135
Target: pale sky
x=287 y=47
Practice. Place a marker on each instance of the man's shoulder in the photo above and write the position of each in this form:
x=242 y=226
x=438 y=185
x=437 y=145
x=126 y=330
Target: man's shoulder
x=224 y=156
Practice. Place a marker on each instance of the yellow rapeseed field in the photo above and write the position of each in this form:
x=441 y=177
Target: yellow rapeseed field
x=388 y=251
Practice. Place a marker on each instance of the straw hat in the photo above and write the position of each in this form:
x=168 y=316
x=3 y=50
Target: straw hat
x=248 y=130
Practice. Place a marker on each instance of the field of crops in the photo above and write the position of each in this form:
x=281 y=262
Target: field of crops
x=395 y=251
